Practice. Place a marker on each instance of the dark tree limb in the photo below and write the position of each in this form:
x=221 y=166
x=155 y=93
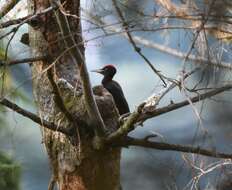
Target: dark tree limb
x=175 y=106
x=34 y=117
x=6 y=7
x=129 y=141
x=14 y=21
x=26 y=19
x=31 y=20
x=139 y=116
x=125 y=142
x=19 y=61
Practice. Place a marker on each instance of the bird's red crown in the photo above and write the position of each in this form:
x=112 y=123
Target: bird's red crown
x=109 y=66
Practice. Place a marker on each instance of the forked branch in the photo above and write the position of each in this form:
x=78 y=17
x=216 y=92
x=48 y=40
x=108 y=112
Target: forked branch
x=133 y=43
x=140 y=116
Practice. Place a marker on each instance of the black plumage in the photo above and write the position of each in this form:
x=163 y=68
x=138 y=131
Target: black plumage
x=114 y=88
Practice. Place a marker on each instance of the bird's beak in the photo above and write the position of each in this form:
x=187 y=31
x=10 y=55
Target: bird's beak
x=101 y=71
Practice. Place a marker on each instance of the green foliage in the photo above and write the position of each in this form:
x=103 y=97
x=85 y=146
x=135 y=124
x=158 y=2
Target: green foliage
x=9 y=173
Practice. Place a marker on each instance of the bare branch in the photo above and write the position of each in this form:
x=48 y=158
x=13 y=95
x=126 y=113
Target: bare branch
x=129 y=141
x=165 y=49
x=136 y=48
x=6 y=6
x=201 y=170
x=13 y=22
x=34 y=117
x=179 y=54
x=152 y=102
x=140 y=116
x=27 y=19
x=19 y=61
x=147 y=106
x=175 y=106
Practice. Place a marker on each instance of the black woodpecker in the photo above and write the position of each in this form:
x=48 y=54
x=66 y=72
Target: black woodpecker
x=114 y=88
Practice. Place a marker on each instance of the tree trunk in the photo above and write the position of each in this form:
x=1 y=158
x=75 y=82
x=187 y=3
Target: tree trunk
x=76 y=165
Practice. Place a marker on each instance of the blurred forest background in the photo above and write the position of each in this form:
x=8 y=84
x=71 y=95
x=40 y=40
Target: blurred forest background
x=20 y=139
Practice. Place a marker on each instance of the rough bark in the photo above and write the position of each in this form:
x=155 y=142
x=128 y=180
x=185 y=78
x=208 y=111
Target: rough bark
x=74 y=161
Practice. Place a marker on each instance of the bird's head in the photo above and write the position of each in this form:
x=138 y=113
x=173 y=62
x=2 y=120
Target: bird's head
x=107 y=71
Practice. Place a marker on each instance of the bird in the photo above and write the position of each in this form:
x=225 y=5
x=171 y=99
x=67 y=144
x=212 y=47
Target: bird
x=108 y=71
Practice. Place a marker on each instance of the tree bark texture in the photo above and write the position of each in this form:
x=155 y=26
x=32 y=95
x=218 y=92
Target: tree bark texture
x=76 y=165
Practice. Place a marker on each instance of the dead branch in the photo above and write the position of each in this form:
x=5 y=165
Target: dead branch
x=179 y=54
x=202 y=171
x=19 y=61
x=13 y=22
x=129 y=141
x=6 y=6
x=175 y=106
x=162 y=48
x=140 y=116
x=148 y=105
x=34 y=117
x=136 y=48
x=28 y=19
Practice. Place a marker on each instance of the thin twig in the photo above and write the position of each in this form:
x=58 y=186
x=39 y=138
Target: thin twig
x=175 y=106
x=138 y=116
x=147 y=106
x=165 y=49
x=136 y=48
